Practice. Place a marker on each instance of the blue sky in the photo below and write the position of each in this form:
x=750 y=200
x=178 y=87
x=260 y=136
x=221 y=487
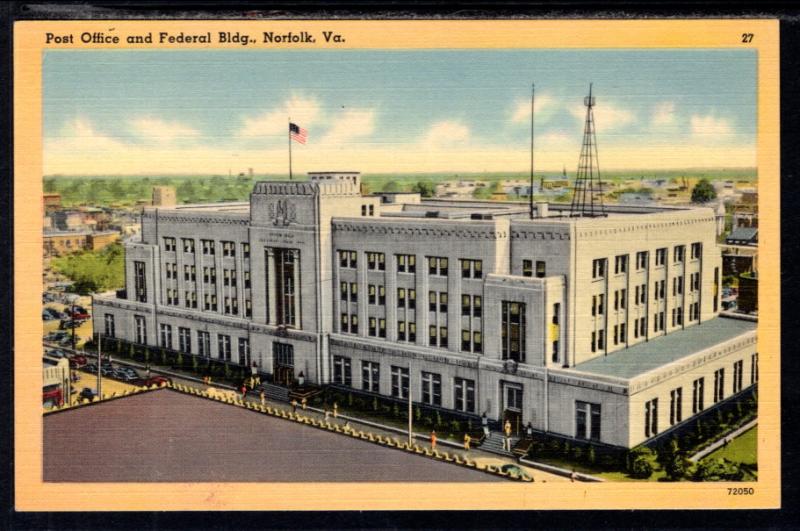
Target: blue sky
x=405 y=111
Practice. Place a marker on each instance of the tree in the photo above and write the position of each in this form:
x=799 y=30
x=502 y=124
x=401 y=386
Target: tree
x=391 y=186
x=94 y=271
x=424 y=188
x=703 y=192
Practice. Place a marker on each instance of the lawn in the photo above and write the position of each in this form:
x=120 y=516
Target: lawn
x=740 y=450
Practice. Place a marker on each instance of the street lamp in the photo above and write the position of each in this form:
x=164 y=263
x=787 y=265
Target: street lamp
x=410 y=418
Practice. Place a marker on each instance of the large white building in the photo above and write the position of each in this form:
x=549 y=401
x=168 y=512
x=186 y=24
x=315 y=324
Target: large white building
x=603 y=328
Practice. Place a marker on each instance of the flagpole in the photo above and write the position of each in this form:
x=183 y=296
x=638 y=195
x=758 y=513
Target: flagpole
x=530 y=192
x=290 y=148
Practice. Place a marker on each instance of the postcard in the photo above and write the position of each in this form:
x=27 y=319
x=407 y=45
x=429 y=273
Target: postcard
x=456 y=264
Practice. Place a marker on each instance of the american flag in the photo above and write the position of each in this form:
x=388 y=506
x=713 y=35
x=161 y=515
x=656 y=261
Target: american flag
x=298 y=133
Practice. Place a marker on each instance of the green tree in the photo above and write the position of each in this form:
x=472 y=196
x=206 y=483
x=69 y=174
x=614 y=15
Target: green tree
x=641 y=468
x=424 y=188
x=94 y=271
x=391 y=186
x=703 y=192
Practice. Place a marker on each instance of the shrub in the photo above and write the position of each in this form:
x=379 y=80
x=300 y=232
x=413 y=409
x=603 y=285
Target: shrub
x=677 y=467
x=455 y=426
x=438 y=419
x=350 y=399
x=718 y=470
x=417 y=413
x=577 y=453
x=195 y=365
x=396 y=410
x=375 y=404
x=179 y=360
x=641 y=468
x=591 y=458
x=566 y=449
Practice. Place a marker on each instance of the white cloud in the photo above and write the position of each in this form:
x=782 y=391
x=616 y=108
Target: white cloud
x=349 y=125
x=710 y=125
x=663 y=114
x=302 y=110
x=542 y=105
x=447 y=132
x=607 y=116
x=159 y=130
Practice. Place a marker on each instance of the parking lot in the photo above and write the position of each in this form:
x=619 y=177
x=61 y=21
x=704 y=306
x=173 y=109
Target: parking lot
x=83 y=332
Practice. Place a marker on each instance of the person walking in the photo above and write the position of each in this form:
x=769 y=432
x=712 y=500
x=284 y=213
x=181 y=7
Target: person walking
x=485 y=424
x=147 y=370
x=529 y=431
x=303 y=403
x=327 y=414
x=335 y=410
x=573 y=476
x=263 y=398
x=507 y=433
x=467 y=440
x=433 y=440
x=294 y=405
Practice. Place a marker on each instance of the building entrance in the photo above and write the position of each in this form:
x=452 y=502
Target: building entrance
x=512 y=407
x=283 y=364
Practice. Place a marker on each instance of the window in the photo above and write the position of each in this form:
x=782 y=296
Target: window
x=412 y=299
x=477 y=306
x=184 y=340
x=587 y=421
x=620 y=264
x=224 y=347
x=466 y=341
x=406 y=263
x=540 y=269
x=477 y=342
x=513 y=331
x=678 y=253
x=471 y=268
x=443 y=301
x=400 y=381
x=466 y=305
x=432 y=301
x=247 y=280
x=172 y=297
x=597 y=304
x=363 y=210
x=643 y=326
x=141 y=329
x=556 y=313
x=189 y=273
x=661 y=256
x=209 y=248
x=342 y=374
x=376 y=261
x=443 y=336
x=245 y=250
x=716 y=289
x=527 y=268
x=753 y=367
x=601 y=339
x=209 y=302
x=370 y=376
x=188 y=245
x=169 y=244
x=110 y=328
x=599 y=268
x=698 y=391
x=432 y=338
x=287 y=265
x=401 y=297
x=675 y=406
x=210 y=275
x=719 y=385
x=191 y=299
x=381 y=327
x=623 y=333
x=244 y=351
x=139 y=281
x=345 y=323
x=372 y=328
x=204 y=344
x=401 y=330
x=353 y=292
x=248 y=308
x=229 y=249
x=651 y=418
x=348 y=259
x=165 y=334
x=382 y=295
x=738 y=370
x=641 y=260
x=372 y=294
x=432 y=388
x=697 y=250
x=464 y=395
x=171 y=270
x=353 y=323
x=437 y=266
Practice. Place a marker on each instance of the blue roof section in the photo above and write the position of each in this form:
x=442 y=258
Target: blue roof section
x=743 y=233
x=644 y=357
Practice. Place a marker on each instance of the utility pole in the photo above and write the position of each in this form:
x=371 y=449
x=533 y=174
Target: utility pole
x=530 y=192
x=410 y=418
x=290 y=148
x=99 y=365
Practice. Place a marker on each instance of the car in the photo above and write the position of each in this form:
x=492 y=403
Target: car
x=56 y=353
x=47 y=316
x=65 y=341
x=52 y=396
x=78 y=313
x=68 y=323
x=55 y=313
x=87 y=393
x=155 y=380
x=90 y=367
x=125 y=375
x=56 y=336
x=515 y=470
x=77 y=361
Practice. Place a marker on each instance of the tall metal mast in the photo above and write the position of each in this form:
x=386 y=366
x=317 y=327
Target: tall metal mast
x=587 y=199
x=530 y=191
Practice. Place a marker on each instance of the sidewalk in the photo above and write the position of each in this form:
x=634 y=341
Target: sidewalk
x=721 y=442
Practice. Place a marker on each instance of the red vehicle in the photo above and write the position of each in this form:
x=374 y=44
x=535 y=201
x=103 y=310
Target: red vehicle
x=78 y=313
x=158 y=380
x=52 y=395
x=77 y=361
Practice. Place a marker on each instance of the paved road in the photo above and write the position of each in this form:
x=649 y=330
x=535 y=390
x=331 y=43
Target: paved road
x=165 y=436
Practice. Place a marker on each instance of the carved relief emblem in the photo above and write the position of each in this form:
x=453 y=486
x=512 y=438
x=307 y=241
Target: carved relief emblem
x=510 y=366
x=282 y=213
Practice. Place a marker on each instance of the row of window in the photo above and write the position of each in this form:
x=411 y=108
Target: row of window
x=698 y=395
x=430 y=383
x=209 y=275
x=471 y=305
x=621 y=261
x=209 y=247
x=407 y=263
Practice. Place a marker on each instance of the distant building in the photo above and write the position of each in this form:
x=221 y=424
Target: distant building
x=743 y=236
x=51 y=201
x=67 y=219
x=747 y=300
x=57 y=243
x=164 y=196
x=740 y=251
x=98 y=240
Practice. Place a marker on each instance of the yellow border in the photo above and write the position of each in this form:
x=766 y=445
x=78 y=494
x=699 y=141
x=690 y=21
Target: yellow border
x=34 y=495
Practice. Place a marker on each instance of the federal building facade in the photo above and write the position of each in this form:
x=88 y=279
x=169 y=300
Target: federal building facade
x=605 y=329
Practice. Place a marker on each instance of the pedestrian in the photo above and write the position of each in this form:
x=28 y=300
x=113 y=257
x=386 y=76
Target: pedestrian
x=467 y=440
x=485 y=424
x=335 y=410
x=294 y=405
x=347 y=427
x=327 y=414
x=433 y=440
x=573 y=476
x=147 y=370
x=244 y=391
x=303 y=403
x=263 y=398
x=507 y=433
x=529 y=431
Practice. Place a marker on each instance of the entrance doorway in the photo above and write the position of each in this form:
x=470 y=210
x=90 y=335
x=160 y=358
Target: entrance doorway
x=283 y=364
x=512 y=407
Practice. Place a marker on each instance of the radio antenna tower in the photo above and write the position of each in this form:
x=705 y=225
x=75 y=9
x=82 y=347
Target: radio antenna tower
x=587 y=199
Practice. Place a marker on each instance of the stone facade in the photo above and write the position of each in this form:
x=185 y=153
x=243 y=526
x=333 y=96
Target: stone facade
x=473 y=306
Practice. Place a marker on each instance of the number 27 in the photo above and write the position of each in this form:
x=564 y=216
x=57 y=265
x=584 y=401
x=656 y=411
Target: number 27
x=747 y=37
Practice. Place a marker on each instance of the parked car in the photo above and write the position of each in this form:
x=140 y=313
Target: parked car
x=55 y=313
x=78 y=313
x=47 y=316
x=157 y=380
x=87 y=393
x=66 y=324
x=56 y=336
x=52 y=395
x=125 y=374
x=90 y=367
x=77 y=361
x=56 y=353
